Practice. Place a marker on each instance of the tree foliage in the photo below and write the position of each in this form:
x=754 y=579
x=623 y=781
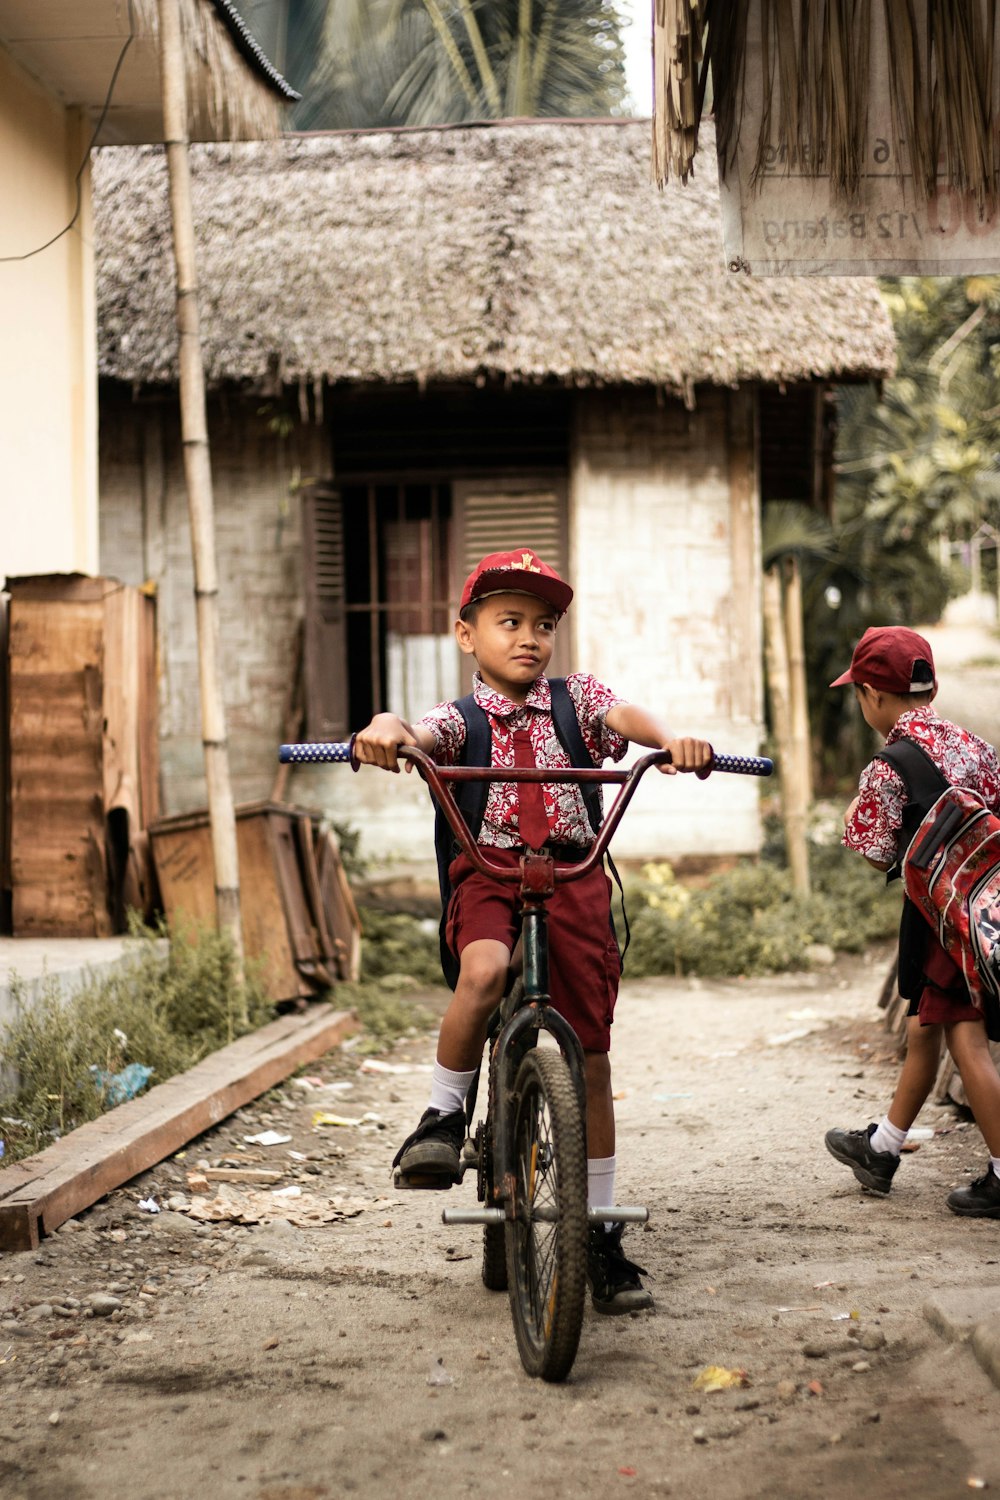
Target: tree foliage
x=435 y=62
x=916 y=463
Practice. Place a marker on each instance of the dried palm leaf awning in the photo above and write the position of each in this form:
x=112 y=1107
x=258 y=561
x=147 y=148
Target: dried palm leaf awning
x=520 y=252
x=806 y=76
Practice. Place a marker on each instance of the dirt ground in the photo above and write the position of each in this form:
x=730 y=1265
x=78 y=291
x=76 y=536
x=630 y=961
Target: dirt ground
x=276 y=1362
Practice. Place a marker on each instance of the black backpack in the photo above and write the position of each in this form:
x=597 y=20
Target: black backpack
x=471 y=795
x=925 y=781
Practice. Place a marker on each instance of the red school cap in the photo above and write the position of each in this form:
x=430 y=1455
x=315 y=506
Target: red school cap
x=893 y=660
x=519 y=572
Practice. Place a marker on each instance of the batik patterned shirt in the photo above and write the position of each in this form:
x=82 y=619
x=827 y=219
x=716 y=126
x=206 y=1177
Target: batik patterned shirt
x=962 y=757
x=564 y=804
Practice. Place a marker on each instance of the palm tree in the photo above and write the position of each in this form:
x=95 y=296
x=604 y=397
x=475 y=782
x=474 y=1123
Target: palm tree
x=434 y=62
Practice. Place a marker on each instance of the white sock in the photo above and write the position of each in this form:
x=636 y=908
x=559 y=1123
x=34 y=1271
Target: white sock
x=995 y=1164
x=448 y=1089
x=601 y=1183
x=888 y=1137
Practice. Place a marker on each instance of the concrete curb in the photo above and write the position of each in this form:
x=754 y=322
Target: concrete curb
x=971 y=1316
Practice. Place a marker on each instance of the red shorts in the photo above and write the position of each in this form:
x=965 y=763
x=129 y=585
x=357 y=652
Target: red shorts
x=583 y=955
x=944 y=998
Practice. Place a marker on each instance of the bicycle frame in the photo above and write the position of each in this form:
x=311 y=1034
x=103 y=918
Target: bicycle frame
x=538 y=874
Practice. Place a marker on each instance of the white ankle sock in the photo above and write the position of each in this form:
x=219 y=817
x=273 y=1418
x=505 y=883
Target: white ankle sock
x=448 y=1089
x=995 y=1164
x=601 y=1181
x=888 y=1137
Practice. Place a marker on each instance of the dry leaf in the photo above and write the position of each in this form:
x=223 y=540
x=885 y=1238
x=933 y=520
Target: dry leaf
x=717 y=1378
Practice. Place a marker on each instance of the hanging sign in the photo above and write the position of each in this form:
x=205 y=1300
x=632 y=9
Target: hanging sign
x=782 y=215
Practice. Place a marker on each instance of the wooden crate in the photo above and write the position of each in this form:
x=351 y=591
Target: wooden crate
x=286 y=918
x=82 y=761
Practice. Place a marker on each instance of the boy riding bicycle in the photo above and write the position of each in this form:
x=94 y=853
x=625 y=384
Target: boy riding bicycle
x=510 y=608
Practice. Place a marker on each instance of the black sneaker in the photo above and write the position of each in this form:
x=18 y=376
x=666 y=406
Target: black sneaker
x=614 y=1281
x=873 y=1169
x=431 y=1156
x=980 y=1200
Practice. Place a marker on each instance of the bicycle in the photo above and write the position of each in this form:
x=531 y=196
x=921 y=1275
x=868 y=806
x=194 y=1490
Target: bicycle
x=529 y=1152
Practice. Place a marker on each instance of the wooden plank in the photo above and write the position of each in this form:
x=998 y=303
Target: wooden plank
x=42 y=1192
x=57 y=864
x=310 y=880
x=341 y=912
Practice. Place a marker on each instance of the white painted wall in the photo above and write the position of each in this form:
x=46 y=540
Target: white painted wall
x=48 y=374
x=665 y=563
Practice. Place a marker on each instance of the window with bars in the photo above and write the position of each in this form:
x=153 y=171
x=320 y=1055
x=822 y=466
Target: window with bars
x=378 y=623
x=384 y=569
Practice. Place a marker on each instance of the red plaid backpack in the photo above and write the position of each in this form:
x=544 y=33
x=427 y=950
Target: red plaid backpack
x=951 y=871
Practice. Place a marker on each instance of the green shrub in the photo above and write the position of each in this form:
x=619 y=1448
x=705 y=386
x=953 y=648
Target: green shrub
x=396 y=943
x=748 y=920
x=165 y=1006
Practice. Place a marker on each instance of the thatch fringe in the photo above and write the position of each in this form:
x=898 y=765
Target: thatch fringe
x=227 y=98
x=817 y=82
x=677 y=36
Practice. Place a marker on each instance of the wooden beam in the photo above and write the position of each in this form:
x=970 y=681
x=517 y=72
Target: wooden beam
x=43 y=1191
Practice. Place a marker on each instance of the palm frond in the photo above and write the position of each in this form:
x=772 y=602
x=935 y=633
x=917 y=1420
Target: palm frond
x=791 y=528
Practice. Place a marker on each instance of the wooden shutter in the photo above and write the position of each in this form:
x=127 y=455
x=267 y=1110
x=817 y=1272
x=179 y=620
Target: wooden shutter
x=325 y=619
x=499 y=515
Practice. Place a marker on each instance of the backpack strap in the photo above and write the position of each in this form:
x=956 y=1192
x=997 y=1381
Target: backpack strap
x=567 y=727
x=924 y=781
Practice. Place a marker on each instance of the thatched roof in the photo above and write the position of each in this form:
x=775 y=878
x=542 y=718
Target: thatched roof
x=528 y=251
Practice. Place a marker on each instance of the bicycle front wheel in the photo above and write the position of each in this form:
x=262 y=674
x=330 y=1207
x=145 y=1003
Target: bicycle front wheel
x=547 y=1238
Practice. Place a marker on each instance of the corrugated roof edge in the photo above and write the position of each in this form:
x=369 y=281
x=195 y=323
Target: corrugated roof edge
x=251 y=49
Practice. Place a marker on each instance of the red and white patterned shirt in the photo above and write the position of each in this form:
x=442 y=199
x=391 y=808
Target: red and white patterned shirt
x=962 y=757
x=564 y=805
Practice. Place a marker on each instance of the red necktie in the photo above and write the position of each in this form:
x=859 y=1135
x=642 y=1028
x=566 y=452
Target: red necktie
x=532 y=819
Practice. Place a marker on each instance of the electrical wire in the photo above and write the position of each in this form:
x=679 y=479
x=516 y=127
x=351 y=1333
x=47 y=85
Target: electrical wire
x=6 y=259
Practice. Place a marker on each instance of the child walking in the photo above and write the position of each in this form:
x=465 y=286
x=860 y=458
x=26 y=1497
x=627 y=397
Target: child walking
x=892 y=673
x=510 y=608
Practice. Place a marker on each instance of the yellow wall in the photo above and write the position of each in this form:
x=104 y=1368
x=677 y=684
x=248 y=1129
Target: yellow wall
x=48 y=342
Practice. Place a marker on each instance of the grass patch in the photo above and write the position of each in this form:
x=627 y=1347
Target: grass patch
x=385 y=1012
x=165 y=1011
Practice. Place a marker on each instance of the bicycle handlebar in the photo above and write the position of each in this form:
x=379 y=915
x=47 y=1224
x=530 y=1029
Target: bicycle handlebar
x=437 y=778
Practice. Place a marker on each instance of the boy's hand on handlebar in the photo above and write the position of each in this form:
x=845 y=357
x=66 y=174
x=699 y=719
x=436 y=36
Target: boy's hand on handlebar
x=688 y=755
x=377 y=745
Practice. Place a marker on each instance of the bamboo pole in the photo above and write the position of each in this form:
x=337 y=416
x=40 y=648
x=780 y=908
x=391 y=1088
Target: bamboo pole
x=799 y=698
x=793 y=804
x=198 y=478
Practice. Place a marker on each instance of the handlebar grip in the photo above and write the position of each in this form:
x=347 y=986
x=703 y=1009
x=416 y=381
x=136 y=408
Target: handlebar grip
x=323 y=750
x=743 y=765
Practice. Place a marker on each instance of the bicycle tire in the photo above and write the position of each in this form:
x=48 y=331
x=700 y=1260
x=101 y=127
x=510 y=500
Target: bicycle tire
x=494 y=1241
x=547 y=1240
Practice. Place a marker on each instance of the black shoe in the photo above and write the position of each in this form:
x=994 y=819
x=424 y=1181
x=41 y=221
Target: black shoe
x=431 y=1156
x=614 y=1281
x=873 y=1169
x=980 y=1200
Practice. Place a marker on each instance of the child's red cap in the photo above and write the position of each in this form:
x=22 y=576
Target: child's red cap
x=893 y=660
x=519 y=572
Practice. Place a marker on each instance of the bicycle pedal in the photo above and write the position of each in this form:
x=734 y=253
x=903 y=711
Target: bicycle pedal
x=421 y=1181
